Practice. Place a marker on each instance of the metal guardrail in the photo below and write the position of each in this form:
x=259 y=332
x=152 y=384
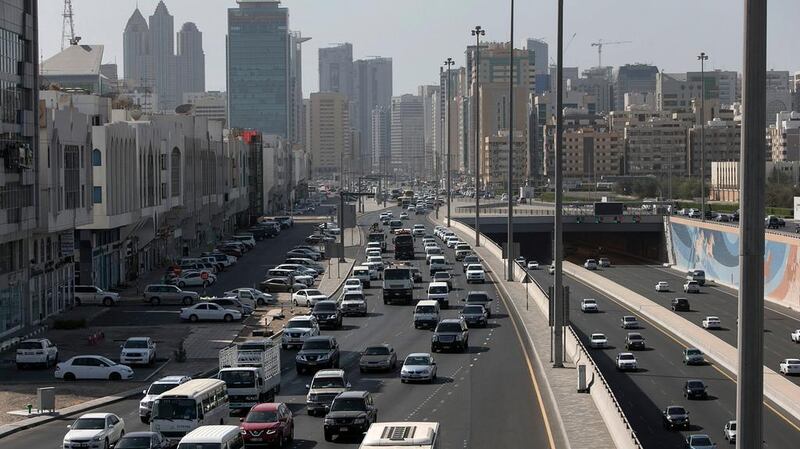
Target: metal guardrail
x=567 y=210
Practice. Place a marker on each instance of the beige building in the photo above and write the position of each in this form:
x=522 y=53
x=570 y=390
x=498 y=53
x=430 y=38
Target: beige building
x=723 y=140
x=494 y=170
x=725 y=178
x=329 y=137
x=656 y=146
x=784 y=137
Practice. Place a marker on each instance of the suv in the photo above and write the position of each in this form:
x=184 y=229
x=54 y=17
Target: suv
x=693 y=356
x=351 y=412
x=481 y=298
x=155 y=294
x=469 y=260
x=634 y=340
x=675 y=416
x=629 y=322
x=89 y=294
x=324 y=387
x=317 y=352
x=328 y=314
x=475 y=273
x=691 y=287
x=680 y=304
x=36 y=351
x=141 y=350
x=694 y=388
x=696 y=275
x=155 y=389
x=450 y=333
x=353 y=303
x=298 y=330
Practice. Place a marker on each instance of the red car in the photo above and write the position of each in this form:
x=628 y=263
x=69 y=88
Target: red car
x=268 y=425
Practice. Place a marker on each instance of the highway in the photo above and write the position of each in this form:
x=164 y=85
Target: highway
x=660 y=377
x=472 y=397
x=713 y=300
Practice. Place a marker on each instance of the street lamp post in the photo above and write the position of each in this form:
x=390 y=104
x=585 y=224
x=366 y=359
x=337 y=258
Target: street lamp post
x=703 y=58
x=449 y=62
x=558 y=281
x=477 y=32
x=510 y=232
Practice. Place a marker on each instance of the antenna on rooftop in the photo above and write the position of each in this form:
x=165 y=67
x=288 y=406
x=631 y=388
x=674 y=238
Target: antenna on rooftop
x=68 y=36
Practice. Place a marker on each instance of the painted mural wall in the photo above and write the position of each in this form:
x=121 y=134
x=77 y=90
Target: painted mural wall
x=715 y=249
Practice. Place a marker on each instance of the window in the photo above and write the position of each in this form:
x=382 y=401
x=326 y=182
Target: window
x=175 y=171
x=72 y=177
x=97 y=195
x=97 y=158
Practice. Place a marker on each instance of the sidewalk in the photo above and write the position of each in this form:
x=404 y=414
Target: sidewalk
x=579 y=423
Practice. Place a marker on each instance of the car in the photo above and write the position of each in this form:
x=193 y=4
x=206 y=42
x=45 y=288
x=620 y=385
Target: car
x=711 y=322
x=280 y=284
x=430 y=251
x=795 y=336
x=475 y=273
x=533 y=265
x=691 y=287
x=94 y=430
x=699 y=441
x=589 y=305
x=191 y=278
x=662 y=286
x=327 y=314
x=693 y=356
x=675 y=417
x=469 y=260
x=207 y=311
x=92 y=367
x=604 y=262
x=267 y=423
x=156 y=294
x=437 y=264
x=450 y=333
x=552 y=269
x=155 y=389
x=378 y=357
x=325 y=385
x=629 y=322
x=590 y=264
x=462 y=253
x=404 y=216
x=418 y=231
x=308 y=297
x=634 y=340
x=36 y=352
x=694 y=388
x=789 y=366
x=352 y=285
x=443 y=276
x=303 y=254
x=626 y=361
x=353 y=303
x=696 y=275
x=90 y=294
x=138 y=350
x=453 y=241
x=376 y=261
x=521 y=260
x=373 y=253
x=321 y=351
x=729 y=431
x=352 y=412
x=247 y=295
x=298 y=329
x=142 y=440
x=230 y=303
x=598 y=341
x=419 y=366
x=474 y=315
x=680 y=305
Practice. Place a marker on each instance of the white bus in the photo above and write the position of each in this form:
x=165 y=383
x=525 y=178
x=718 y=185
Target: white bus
x=195 y=403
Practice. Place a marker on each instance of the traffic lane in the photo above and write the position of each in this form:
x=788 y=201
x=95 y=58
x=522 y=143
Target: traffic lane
x=659 y=380
x=711 y=301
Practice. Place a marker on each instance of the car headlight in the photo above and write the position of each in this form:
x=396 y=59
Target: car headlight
x=301 y=358
x=359 y=421
x=324 y=356
x=458 y=337
x=98 y=438
x=328 y=421
x=435 y=337
x=271 y=432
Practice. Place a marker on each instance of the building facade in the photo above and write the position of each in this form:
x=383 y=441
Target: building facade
x=633 y=78
x=381 y=140
x=784 y=137
x=408 y=137
x=190 y=61
x=723 y=140
x=329 y=137
x=336 y=69
x=656 y=146
x=372 y=89
x=494 y=171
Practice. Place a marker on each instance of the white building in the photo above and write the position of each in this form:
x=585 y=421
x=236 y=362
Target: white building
x=408 y=136
x=784 y=136
x=212 y=104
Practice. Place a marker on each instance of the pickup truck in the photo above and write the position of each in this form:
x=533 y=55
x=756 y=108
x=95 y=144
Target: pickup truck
x=252 y=373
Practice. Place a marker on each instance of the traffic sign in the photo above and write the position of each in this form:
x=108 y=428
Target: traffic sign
x=204 y=275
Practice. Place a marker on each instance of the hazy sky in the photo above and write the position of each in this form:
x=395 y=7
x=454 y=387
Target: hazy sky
x=420 y=34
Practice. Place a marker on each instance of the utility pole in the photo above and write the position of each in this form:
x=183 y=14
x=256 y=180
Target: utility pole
x=477 y=32
x=510 y=231
x=558 y=287
x=703 y=58
x=750 y=385
x=449 y=62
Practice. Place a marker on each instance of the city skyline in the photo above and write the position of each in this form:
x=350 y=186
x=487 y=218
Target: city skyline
x=102 y=23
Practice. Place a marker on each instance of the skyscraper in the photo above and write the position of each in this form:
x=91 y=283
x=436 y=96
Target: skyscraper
x=381 y=140
x=336 y=69
x=408 y=136
x=372 y=89
x=191 y=76
x=136 y=50
x=162 y=54
x=257 y=72
x=297 y=122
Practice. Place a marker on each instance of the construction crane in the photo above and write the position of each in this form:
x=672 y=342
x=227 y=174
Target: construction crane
x=68 y=36
x=599 y=44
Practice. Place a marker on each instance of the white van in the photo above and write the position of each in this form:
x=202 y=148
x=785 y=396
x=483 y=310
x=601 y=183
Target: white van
x=213 y=437
x=362 y=273
x=418 y=435
x=438 y=291
x=426 y=313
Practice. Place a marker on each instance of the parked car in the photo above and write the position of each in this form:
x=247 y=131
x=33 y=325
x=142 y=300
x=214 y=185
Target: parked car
x=94 y=430
x=268 y=424
x=36 y=351
x=92 y=367
x=598 y=340
x=90 y=294
x=675 y=417
x=206 y=311
x=308 y=297
x=419 y=366
x=380 y=357
x=280 y=284
x=662 y=286
x=693 y=356
x=156 y=294
x=138 y=350
x=694 y=389
x=317 y=352
x=246 y=294
x=789 y=366
x=195 y=279
x=143 y=440
x=352 y=412
x=680 y=305
x=231 y=303
x=155 y=389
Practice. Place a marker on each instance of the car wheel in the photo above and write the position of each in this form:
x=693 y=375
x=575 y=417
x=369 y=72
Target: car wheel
x=181 y=284
x=108 y=302
x=328 y=436
x=106 y=445
x=260 y=302
x=155 y=301
x=114 y=376
x=187 y=301
x=69 y=376
x=193 y=318
x=227 y=318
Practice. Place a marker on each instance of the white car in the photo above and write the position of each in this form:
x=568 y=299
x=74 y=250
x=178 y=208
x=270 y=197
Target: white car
x=308 y=297
x=552 y=269
x=418 y=231
x=94 y=431
x=375 y=260
x=36 y=351
x=419 y=366
x=207 y=311
x=533 y=265
x=453 y=242
x=629 y=322
x=730 y=431
x=691 y=287
x=352 y=285
x=790 y=366
x=711 y=322
x=138 y=350
x=298 y=329
x=590 y=264
x=90 y=294
x=589 y=305
x=374 y=245
x=662 y=286
x=305 y=279
x=195 y=279
x=373 y=253
x=598 y=341
x=404 y=216
x=796 y=336
x=604 y=262
x=626 y=361
x=251 y=295
x=475 y=273
x=92 y=367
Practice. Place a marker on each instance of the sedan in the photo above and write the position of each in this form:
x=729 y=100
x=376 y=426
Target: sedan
x=207 y=311
x=589 y=305
x=474 y=315
x=308 y=297
x=195 y=279
x=380 y=357
x=419 y=366
x=92 y=367
x=598 y=341
x=280 y=284
x=94 y=430
x=711 y=322
x=790 y=366
x=533 y=265
x=675 y=416
x=730 y=431
x=143 y=440
x=662 y=286
x=404 y=216
x=693 y=356
x=590 y=264
x=699 y=441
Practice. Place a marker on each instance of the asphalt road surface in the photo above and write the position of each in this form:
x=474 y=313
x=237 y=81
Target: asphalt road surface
x=659 y=380
x=483 y=398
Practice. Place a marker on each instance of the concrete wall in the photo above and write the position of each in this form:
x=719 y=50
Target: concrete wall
x=714 y=248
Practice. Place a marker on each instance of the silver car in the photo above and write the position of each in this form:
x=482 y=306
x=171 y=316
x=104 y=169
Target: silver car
x=156 y=294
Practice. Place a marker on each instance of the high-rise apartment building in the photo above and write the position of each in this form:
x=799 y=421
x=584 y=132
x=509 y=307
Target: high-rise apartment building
x=494 y=168
x=597 y=82
x=381 y=140
x=656 y=146
x=372 y=89
x=408 y=136
x=539 y=49
x=336 y=69
x=257 y=67
x=297 y=122
x=430 y=105
x=633 y=78
x=329 y=137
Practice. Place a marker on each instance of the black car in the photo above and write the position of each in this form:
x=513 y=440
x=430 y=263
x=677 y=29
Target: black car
x=327 y=314
x=450 y=334
x=351 y=412
x=634 y=340
x=317 y=353
x=675 y=417
x=478 y=297
x=474 y=315
x=694 y=389
x=680 y=305
x=142 y=440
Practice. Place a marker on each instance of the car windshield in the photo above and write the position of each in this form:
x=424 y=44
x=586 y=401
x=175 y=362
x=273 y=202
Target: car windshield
x=448 y=327
x=426 y=309
x=262 y=416
x=437 y=289
x=237 y=379
x=598 y=336
x=316 y=345
x=348 y=405
x=30 y=345
x=314 y=293
x=353 y=297
x=200 y=446
x=676 y=411
x=376 y=350
x=472 y=310
x=626 y=357
x=635 y=337
x=158 y=388
x=477 y=297
x=134 y=443
x=89 y=424
x=588 y=301
x=475 y=267
x=136 y=344
x=175 y=408
x=327 y=382
x=732 y=426
x=694 y=384
x=441 y=275
x=397 y=275
x=693 y=352
x=701 y=441
x=299 y=323
x=418 y=360
x=325 y=307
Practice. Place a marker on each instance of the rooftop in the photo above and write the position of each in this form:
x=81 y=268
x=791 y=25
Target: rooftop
x=75 y=60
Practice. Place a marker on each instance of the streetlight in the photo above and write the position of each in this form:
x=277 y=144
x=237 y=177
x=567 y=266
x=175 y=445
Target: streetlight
x=703 y=58
x=477 y=32
x=510 y=231
x=558 y=278
x=448 y=62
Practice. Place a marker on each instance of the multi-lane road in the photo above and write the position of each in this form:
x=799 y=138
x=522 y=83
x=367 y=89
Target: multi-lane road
x=482 y=398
